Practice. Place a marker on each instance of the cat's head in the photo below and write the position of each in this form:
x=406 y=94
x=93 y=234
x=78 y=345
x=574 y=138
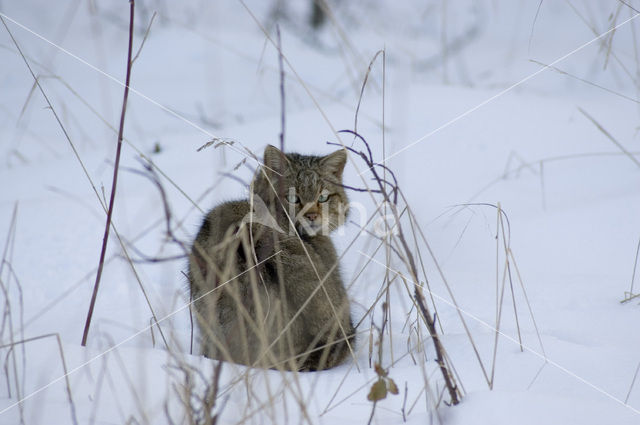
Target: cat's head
x=308 y=187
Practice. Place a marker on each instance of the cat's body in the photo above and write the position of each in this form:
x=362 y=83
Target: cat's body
x=265 y=294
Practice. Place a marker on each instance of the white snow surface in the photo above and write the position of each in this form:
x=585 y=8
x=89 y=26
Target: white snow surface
x=470 y=117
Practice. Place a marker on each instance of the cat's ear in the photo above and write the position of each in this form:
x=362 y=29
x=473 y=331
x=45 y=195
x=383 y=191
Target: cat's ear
x=334 y=163
x=275 y=159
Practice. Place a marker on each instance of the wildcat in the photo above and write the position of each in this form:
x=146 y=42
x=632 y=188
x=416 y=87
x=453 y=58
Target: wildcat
x=264 y=279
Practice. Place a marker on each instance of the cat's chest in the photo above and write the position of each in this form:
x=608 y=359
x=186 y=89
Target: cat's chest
x=323 y=247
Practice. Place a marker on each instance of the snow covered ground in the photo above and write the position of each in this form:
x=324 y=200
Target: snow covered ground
x=471 y=116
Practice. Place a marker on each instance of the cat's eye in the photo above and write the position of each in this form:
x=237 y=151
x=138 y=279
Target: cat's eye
x=323 y=198
x=292 y=198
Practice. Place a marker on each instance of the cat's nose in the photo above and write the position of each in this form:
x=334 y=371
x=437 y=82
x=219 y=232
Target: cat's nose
x=311 y=216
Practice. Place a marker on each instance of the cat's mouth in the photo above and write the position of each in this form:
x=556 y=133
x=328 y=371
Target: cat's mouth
x=310 y=228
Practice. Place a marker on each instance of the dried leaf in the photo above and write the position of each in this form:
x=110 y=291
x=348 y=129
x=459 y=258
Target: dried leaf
x=379 y=370
x=378 y=391
x=391 y=386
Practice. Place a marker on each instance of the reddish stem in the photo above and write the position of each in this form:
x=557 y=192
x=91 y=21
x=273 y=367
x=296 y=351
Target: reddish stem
x=114 y=183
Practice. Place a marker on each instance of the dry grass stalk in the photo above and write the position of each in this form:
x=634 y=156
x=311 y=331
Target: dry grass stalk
x=609 y=40
x=453 y=301
x=628 y=296
x=610 y=137
x=114 y=183
x=591 y=83
x=543 y=161
x=73 y=147
x=72 y=406
x=602 y=39
x=364 y=85
x=503 y=238
x=389 y=191
x=633 y=382
x=7 y=323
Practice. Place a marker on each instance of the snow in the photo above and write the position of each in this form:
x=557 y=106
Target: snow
x=461 y=127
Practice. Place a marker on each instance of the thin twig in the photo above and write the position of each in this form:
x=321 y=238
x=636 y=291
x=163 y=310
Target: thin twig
x=105 y=238
x=144 y=39
x=533 y=25
x=610 y=137
x=364 y=84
